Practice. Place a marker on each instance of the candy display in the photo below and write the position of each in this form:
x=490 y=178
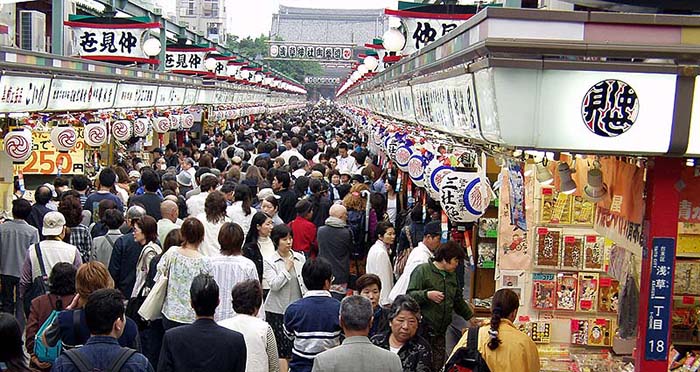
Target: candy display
x=544 y=291
x=593 y=252
x=547 y=245
x=588 y=292
x=567 y=289
x=608 y=295
x=539 y=331
x=572 y=253
x=582 y=211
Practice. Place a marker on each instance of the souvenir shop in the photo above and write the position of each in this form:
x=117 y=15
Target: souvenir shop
x=581 y=197
x=65 y=116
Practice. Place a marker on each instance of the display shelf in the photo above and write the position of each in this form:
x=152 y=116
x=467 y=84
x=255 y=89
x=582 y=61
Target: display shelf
x=685 y=343
x=688 y=255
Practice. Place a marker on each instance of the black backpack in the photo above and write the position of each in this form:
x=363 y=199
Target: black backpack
x=85 y=366
x=356 y=224
x=40 y=284
x=468 y=358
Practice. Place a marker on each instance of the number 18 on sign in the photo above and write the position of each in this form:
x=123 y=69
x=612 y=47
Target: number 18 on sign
x=660 y=297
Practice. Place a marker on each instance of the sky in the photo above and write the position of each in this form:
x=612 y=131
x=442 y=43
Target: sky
x=252 y=18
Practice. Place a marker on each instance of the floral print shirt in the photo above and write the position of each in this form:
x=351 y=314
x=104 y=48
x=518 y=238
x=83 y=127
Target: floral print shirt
x=180 y=270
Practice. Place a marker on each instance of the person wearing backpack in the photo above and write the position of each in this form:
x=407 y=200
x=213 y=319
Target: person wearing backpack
x=104 y=313
x=102 y=249
x=61 y=293
x=500 y=345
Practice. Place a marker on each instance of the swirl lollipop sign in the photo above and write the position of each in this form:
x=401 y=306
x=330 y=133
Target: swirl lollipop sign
x=122 y=130
x=63 y=138
x=161 y=124
x=18 y=145
x=141 y=127
x=95 y=134
x=187 y=121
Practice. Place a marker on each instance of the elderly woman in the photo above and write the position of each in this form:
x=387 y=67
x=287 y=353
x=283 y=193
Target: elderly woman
x=370 y=287
x=401 y=338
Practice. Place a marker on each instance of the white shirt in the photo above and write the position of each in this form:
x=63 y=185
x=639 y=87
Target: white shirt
x=419 y=255
x=229 y=271
x=195 y=204
x=378 y=263
x=123 y=194
x=289 y=153
x=299 y=173
x=348 y=164
x=276 y=274
x=236 y=214
x=210 y=245
x=255 y=334
x=391 y=209
x=165 y=226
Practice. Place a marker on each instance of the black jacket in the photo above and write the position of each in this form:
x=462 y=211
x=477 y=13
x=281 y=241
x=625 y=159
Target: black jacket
x=288 y=199
x=251 y=251
x=122 y=264
x=334 y=246
x=202 y=346
x=416 y=354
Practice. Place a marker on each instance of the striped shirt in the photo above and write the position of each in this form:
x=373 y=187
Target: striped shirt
x=312 y=322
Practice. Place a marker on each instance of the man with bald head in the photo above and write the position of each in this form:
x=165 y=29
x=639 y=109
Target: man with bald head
x=334 y=244
x=169 y=221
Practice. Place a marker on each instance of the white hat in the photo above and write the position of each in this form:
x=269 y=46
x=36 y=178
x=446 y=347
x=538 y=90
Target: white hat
x=134 y=174
x=53 y=224
x=264 y=193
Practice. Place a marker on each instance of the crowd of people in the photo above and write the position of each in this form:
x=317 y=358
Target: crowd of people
x=281 y=244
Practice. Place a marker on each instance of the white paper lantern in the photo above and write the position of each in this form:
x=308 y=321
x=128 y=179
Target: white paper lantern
x=187 y=121
x=393 y=40
x=464 y=196
x=416 y=168
x=152 y=47
x=63 y=137
x=95 y=134
x=402 y=156
x=434 y=172
x=161 y=124
x=174 y=122
x=122 y=130
x=141 y=127
x=371 y=62
x=18 y=145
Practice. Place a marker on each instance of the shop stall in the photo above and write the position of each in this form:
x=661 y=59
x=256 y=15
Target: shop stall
x=590 y=123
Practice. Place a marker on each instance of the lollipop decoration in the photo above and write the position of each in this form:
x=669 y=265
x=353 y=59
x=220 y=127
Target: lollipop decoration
x=141 y=127
x=18 y=145
x=122 y=130
x=95 y=134
x=161 y=124
x=187 y=121
x=63 y=137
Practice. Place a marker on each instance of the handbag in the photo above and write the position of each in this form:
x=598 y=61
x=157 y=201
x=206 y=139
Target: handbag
x=40 y=285
x=152 y=307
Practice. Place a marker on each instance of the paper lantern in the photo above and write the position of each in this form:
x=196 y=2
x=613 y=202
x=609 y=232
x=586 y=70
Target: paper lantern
x=175 y=122
x=141 y=127
x=122 y=130
x=187 y=121
x=63 y=137
x=434 y=172
x=464 y=196
x=402 y=156
x=161 y=124
x=18 y=145
x=416 y=168
x=95 y=134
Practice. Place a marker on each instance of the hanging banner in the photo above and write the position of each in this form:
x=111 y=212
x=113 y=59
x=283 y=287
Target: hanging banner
x=280 y=50
x=422 y=29
x=689 y=211
x=71 y=94
x=23 y=93
x=135 y=95
x=190 y=96
x=170 y=96
x=45 y=159
x=663 y=254
x=186 y=60
x=108 y=39
x=321 y=80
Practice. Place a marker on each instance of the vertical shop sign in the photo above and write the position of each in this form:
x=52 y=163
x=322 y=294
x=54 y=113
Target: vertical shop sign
x=660 y=296
x=101 y=39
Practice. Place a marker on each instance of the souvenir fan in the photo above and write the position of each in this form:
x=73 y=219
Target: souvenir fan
x=18 y=145
x=187 y=121
x=63 y=137
x=141 y=127
x=95 y=134
x=122 y=130
x=161 y=124
x=434 y=173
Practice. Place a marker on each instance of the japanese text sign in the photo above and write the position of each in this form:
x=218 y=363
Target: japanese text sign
x=170 y=96
x=111 y=42
x=310 y=52
x=689 y=210
x=182 y=60
x=45 y=159
x=660 y=297
x=23 y=93
x=135 y=95
x=67 y=95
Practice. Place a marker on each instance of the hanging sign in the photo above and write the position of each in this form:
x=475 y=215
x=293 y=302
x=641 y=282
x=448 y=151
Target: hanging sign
x=190 y=96
x=23 y=93
x=422 y=28
x=656 y=343
x=321 y=80
x=45 y=158
x=186 y=60
x=206 y=96
x=103 y=39
x=689 y=211
x=280 y=50
x=69 y=95
x=170 y=96
x=135 y=95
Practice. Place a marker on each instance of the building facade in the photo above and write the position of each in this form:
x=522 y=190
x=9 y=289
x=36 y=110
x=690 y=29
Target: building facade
x=206 y=17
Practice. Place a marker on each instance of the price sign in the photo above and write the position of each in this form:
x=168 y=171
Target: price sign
x=45 y=159
x=660 y=297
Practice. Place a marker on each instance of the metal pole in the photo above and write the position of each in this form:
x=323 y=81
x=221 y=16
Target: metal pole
x=163 y=43
x=57 y=9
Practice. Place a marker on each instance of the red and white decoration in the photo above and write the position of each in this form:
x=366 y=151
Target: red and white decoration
x=187 y=121
x=122 y=130
x=63 y=137
x=18 y=145
x=141 y=127
x=161 y=124
x=95 y=134
x=175 y=121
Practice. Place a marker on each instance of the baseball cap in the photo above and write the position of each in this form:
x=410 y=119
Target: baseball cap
x=432 y=228
x=134 y=174
x=53 y=224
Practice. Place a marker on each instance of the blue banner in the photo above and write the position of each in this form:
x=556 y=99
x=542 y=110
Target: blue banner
x=660 y=298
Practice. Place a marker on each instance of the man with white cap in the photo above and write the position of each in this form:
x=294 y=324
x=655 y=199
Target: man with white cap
x=47 y=253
